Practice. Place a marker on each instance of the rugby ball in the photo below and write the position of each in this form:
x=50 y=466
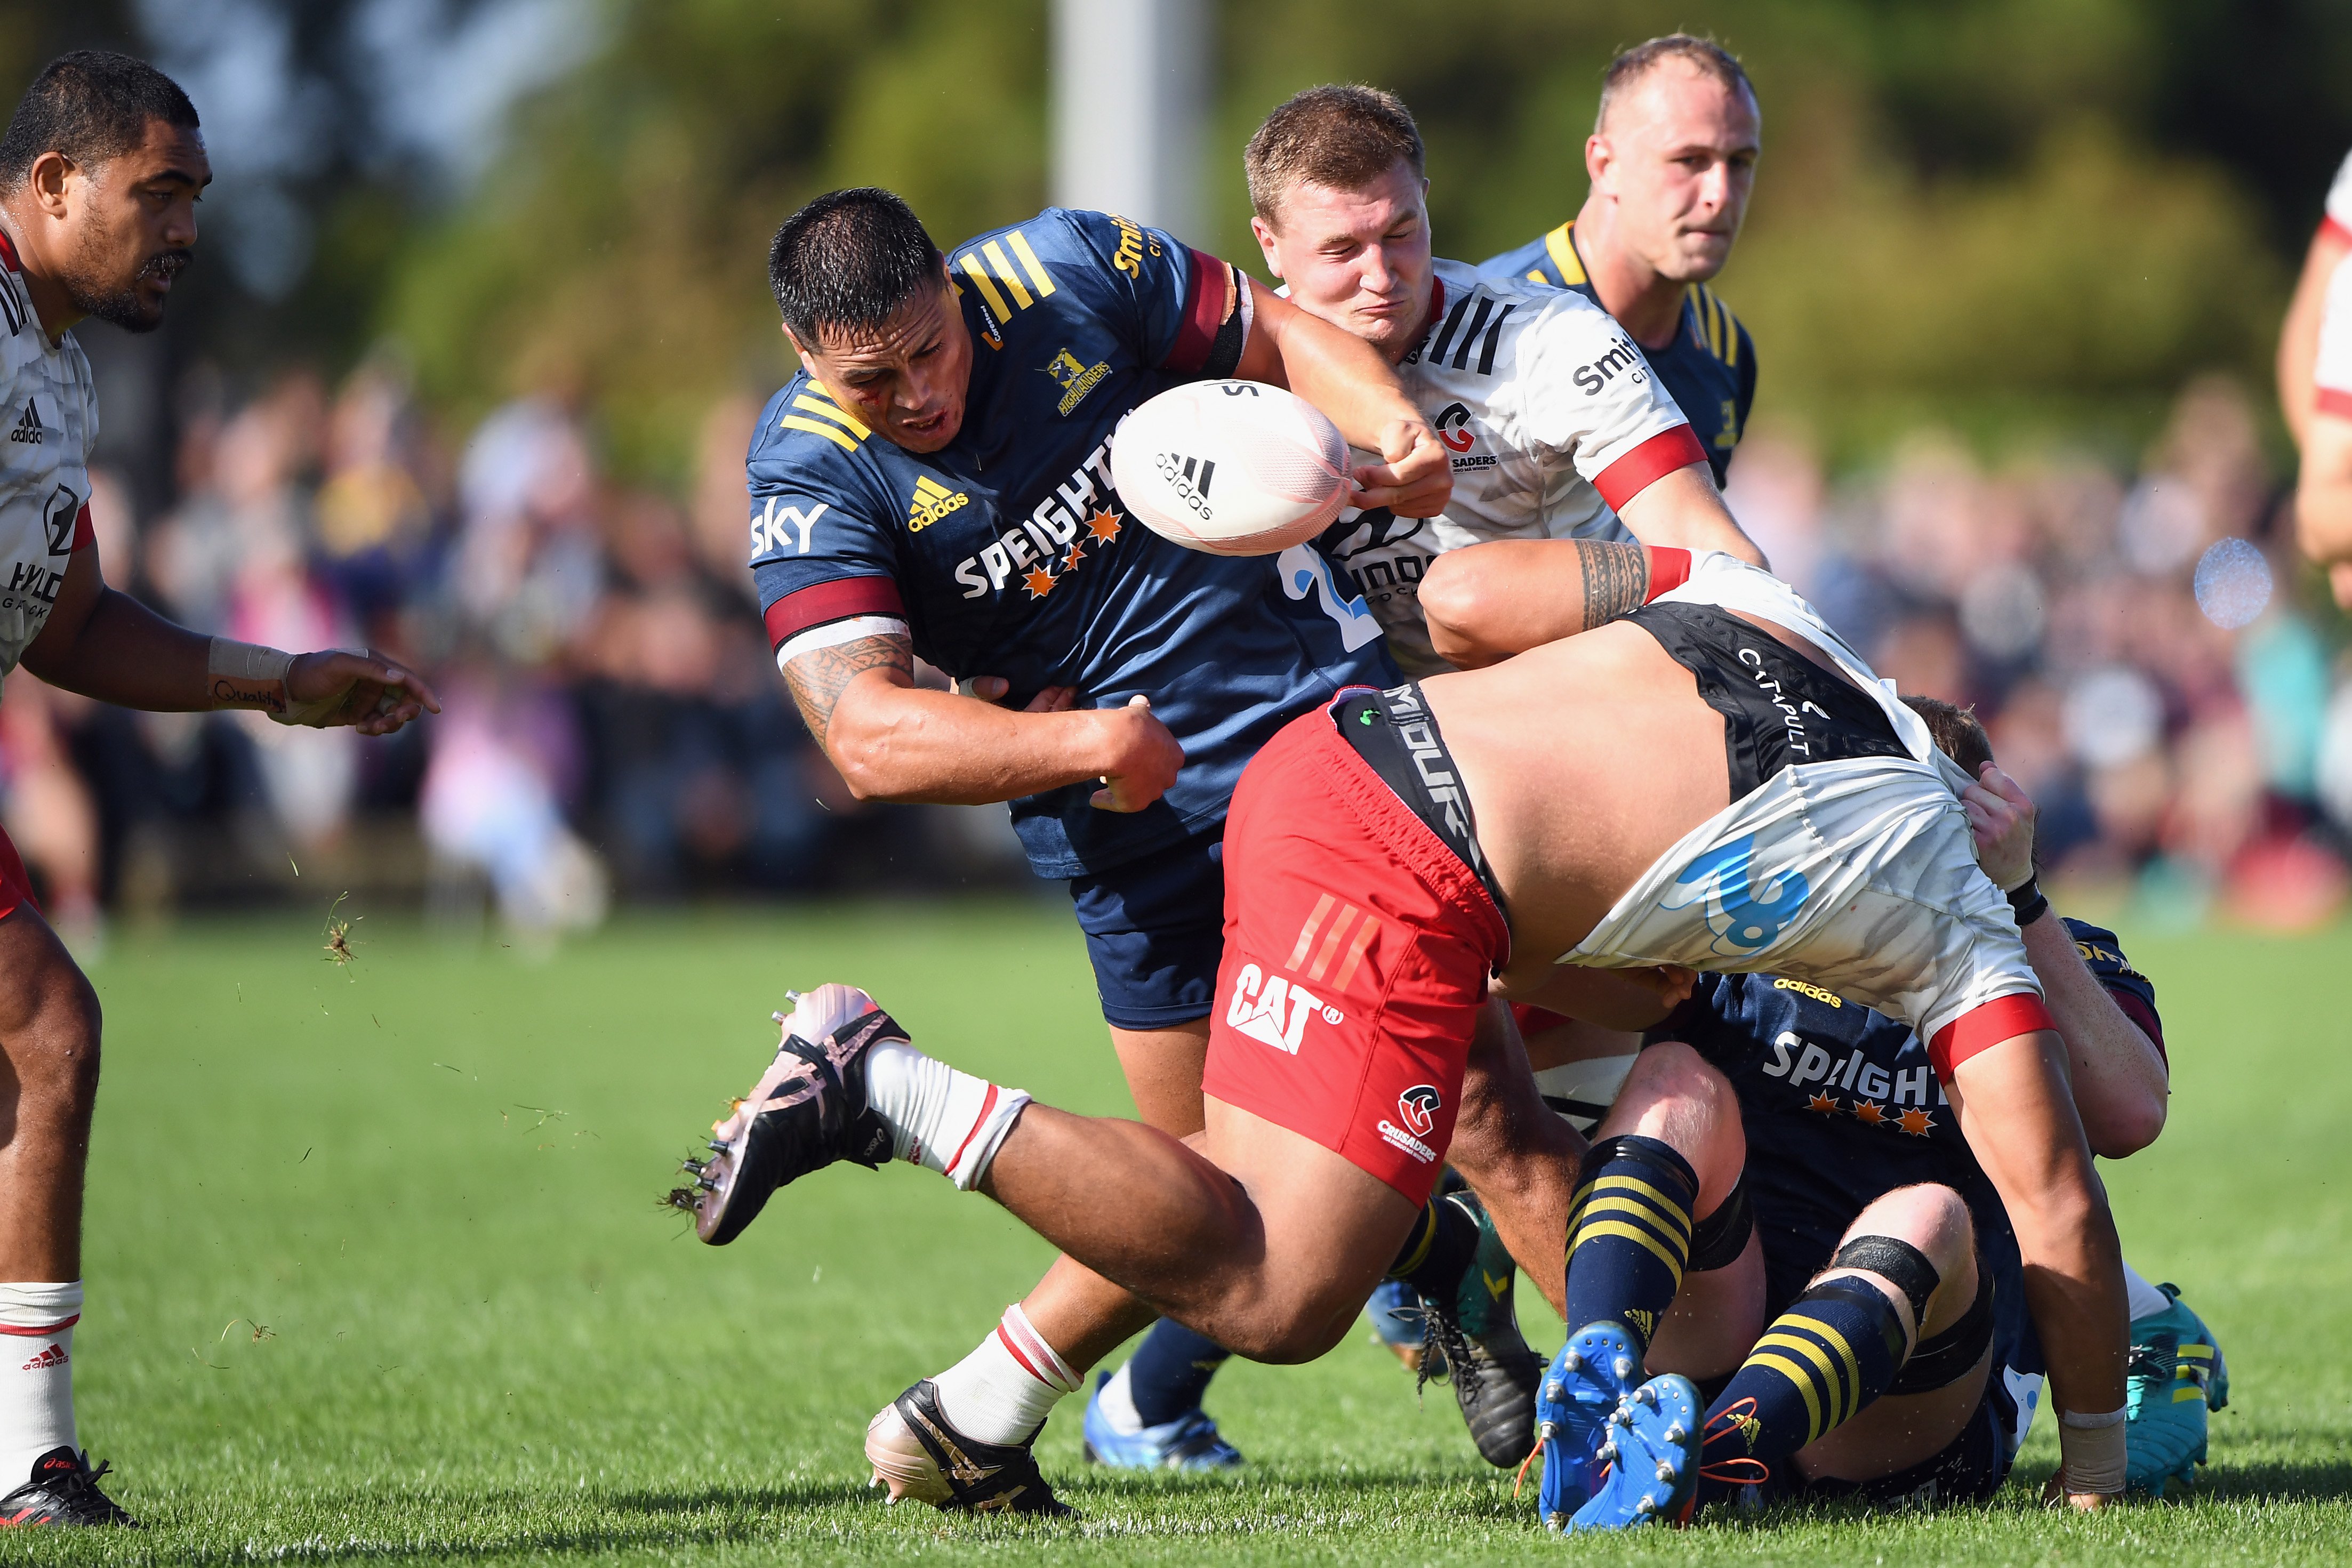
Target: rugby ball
x=1231 y=468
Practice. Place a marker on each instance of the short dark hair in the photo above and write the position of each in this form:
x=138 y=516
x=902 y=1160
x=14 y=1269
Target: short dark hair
x=1342 y=138
x=1959 y=734
x=1632 y=65
x=849 y=258
x=91 y=105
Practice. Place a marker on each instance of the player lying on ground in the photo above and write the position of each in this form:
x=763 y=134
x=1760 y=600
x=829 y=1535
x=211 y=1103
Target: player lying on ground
x=1542 y=444
x=935 y=484
x=1394 y=851
x=1845 y=1393
x=99 y=170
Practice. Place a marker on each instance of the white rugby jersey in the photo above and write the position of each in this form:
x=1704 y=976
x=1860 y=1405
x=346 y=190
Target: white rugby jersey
x=1553 y=419
x=48 y=404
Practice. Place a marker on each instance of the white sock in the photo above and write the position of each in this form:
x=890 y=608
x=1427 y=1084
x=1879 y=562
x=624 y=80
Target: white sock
x=1117 y=1402
x=1002 y=1391
x=2146 y=1300
x=37 y=1325
x=943 y=1120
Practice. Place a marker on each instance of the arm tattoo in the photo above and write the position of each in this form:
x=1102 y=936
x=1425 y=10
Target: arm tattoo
x=1616 y=579
x=818 y=678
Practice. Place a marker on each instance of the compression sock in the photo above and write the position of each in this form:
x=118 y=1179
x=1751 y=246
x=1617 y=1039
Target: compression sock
x=37 y=1325
x=940 y=1118
x=1002 y=1391
x=1167 y=1375
x=1629 y=1234
x=2144 y=1300
x=1440 y=1247
x=1832 y=1352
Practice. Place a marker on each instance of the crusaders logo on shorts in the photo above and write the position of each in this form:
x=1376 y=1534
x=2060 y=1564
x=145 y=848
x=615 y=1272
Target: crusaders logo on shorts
x=1417 y=1108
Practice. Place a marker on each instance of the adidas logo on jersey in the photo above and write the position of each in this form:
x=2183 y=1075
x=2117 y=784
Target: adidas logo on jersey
x=51 y=1356
x=932 y=501
x=27 y=428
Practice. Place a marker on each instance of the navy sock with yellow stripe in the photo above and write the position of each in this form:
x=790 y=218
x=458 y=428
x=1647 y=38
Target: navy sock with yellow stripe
x=1439 y=1248
x=1831 y=1353
x=1629 y=1232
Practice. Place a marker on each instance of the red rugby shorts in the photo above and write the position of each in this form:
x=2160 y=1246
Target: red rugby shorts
x=1357 y=952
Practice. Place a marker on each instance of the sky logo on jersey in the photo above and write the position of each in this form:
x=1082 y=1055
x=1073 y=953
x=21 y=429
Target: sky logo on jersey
x=1749 y=919
x=1076 y=379
x=778 y=528
x=1273 y=1010
x=932 y=501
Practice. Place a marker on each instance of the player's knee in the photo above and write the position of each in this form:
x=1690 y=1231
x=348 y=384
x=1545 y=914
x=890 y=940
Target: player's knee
x=1931 y=1217
x=1285 y=1326
x=1673 y=1093
x=55 y=1051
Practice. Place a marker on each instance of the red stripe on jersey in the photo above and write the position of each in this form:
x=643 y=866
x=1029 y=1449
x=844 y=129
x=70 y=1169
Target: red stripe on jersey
x=2335 y=230
x=1982 y=1028
x=1669 y=569
x=2140 y=1013
x=1647 y=464
x=8 y=253
x=85 y=535
x=2335 y=401
x=35 y=1333
x=1211 y=300
x=836 y=601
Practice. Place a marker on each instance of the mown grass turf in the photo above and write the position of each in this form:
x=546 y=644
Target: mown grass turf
x=376 y=1271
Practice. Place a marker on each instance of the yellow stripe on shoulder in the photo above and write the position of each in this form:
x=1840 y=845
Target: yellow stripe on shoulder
x=1030 y=264
x=977 y=272
x=826 y=408
x=1562 y=248
x=794 y=422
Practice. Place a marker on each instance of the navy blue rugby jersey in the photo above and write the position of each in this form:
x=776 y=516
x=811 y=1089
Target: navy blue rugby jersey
x=1709 y=369
x=1840 y=1107
x=1008 y=553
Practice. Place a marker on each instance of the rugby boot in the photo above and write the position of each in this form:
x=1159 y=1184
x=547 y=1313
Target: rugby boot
x=1190 y=1442
x=1650 y=1452
x=2176 y=1376
x=807 y=1111
x=63 y=1490
x=1472 y=1342
x=1588 y=1382
x=916 y=1454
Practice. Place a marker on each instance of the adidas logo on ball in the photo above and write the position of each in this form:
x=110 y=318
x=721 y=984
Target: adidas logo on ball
x=1189 y=478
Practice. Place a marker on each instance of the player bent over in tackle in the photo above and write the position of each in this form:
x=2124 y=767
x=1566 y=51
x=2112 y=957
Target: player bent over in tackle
x=98 y=174
x=1393 y=851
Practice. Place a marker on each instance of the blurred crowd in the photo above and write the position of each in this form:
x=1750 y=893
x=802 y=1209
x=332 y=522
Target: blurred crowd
x=2139 y=645
x=612 y=726
x=2151 y=658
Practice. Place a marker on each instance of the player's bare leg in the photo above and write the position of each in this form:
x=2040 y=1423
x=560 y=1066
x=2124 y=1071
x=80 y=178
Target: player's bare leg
x=49 y=1028
x=1518 y=1157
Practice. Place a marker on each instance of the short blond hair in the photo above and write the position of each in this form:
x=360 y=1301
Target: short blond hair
x=1340 y=137
x=1711 y=58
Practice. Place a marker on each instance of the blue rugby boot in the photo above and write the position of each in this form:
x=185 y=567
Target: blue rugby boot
x=1650 y=1450
x=1589 y=1379
x=2176 y=1376
x=1190 y=1442
x=808 y=1111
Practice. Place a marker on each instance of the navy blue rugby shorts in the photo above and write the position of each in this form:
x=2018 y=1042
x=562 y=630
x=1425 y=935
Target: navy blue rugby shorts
x=1155 y=929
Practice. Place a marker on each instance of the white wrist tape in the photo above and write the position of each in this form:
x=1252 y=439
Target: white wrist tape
x=2092 y=1450
x=246 y=661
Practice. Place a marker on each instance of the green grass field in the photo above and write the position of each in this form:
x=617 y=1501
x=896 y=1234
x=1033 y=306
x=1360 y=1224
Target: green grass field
x=376 y=1273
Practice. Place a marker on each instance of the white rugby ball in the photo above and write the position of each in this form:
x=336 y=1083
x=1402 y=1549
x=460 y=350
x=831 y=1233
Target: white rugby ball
x=1231 y=468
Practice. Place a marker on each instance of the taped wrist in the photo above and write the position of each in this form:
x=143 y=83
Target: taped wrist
x=1898 y=1262
x=1718 y=1241
x=2092 y=1450
x=246 y=662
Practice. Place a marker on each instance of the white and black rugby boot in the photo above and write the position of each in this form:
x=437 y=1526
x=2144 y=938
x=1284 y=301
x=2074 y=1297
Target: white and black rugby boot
x=916 y=1454
x=63 y=1490
x=808 y=1111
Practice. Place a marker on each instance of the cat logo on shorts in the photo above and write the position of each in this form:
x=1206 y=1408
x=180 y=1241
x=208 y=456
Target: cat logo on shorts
x=1734 y=912
x=1275 y=1015
x=1417 y=1106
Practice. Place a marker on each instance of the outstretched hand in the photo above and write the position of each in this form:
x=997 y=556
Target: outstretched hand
x=372 y=695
